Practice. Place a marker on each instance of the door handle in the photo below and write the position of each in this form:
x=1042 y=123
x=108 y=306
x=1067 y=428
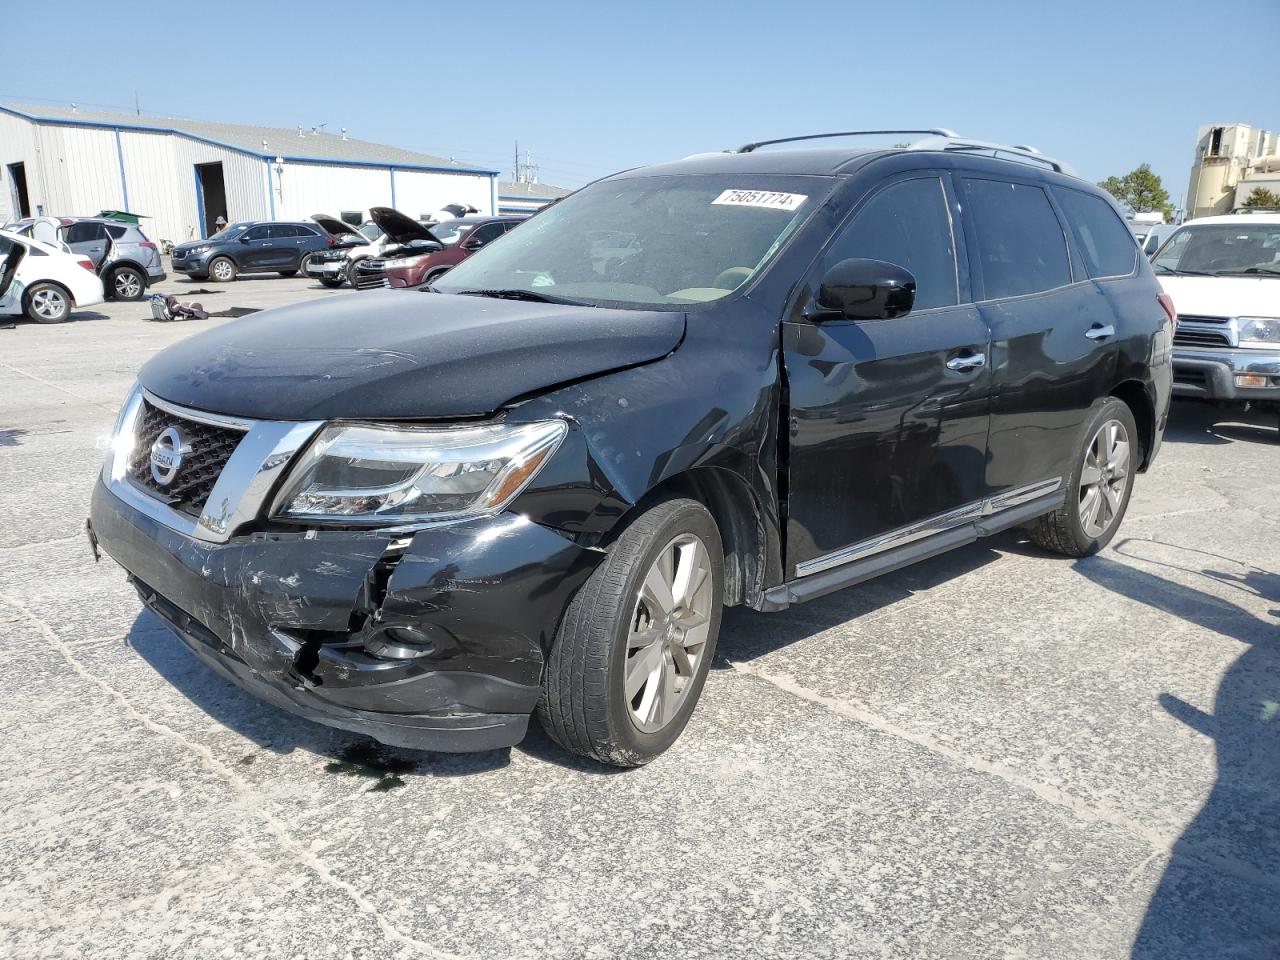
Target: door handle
x=1100 y=332
x=972 y=361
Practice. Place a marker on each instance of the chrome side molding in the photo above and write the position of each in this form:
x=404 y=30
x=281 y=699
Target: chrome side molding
x=938 y=523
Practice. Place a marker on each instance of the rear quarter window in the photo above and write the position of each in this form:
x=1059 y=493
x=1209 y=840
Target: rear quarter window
x=1021 y=246
x=1106 y=244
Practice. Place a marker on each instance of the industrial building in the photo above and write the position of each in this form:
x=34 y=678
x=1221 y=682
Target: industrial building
x=1232 y=160
x=182 y=175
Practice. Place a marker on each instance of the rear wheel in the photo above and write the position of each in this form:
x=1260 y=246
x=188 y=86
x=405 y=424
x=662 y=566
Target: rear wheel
x=303 y=264
x=127 y=283
x=288 y=273
x=632 y=654
x=223 y=270
x=46 y=303
x=331 y=282
x=1099 y=487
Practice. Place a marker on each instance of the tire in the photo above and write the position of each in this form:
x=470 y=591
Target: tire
x=302 y=264
x=126 y=283
x=1090 y=517
x=331 y=282
x=46 y=303
x=349 y=274
x=288 y=273
x=433 y=276
x=584 y=706
x=223 y=269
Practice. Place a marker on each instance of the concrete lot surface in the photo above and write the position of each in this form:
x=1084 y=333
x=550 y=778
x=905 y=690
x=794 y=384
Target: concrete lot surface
x=996 y=754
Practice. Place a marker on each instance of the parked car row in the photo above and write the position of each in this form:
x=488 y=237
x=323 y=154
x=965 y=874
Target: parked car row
x=43 y=281
x=121 y=254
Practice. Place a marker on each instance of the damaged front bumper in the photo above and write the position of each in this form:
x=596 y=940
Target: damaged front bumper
x=432 y=640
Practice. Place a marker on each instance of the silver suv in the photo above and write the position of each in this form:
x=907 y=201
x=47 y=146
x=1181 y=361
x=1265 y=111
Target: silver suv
x=125 y=259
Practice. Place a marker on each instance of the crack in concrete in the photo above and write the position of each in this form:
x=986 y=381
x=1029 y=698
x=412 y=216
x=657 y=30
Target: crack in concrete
x=1162 y=844
x=249 y=799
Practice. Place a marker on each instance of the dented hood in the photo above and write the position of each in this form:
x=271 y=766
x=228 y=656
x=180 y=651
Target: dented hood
x=395 y=355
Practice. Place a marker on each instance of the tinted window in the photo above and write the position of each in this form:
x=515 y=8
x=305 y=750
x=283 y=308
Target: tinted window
x=302 y=230
x=907 y=224
x=257 y=233
x=116 y=232
x=1021 y=247
x=1106 y=243
x=283 y=231
x=490 y=231
x=84 y=232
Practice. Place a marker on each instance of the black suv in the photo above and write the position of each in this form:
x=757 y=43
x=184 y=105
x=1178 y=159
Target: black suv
x=534 y=488
x=252 y=247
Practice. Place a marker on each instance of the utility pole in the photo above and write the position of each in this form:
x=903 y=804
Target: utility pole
x=515 y=171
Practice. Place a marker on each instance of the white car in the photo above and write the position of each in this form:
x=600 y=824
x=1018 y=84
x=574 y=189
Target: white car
x=43 y=281
x=333 y=267
x=1223 y=275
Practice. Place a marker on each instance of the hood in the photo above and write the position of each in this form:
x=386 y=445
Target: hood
x=1223 y=296
x=401 y=356
x=333 y=225
x=398 y=227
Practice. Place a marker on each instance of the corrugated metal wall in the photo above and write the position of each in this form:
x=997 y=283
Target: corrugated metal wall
x=74 y=170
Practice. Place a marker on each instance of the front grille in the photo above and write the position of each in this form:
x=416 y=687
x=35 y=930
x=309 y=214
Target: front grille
x=1191 y=377
x=210 y=447
x=371 y=275
x=1183 y=337
x=1192 y=318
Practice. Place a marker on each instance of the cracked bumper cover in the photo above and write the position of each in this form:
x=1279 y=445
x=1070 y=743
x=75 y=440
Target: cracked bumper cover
x=288 y=616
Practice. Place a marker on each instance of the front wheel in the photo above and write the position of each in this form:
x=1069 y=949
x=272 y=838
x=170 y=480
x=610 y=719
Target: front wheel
x=1099 y=487
x=632 y=654
x=222 y=270
x=126 y=283
x=331 y=282
x=47 y=303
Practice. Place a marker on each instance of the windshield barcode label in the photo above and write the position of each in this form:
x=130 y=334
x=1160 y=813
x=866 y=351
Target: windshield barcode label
x=761 y=198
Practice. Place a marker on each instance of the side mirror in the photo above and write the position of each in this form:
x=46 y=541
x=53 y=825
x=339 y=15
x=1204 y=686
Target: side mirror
x=244 y=239
x=867 y=290
x=473 y=243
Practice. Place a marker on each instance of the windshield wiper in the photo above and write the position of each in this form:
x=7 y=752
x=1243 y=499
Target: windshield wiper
x=1250 y=271
x=520 y=294
x=1184 y=273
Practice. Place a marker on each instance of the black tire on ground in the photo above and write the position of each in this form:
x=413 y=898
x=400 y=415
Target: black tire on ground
x=1064 y=531
x=126 y=283
x=433 y=276
x=584 y=706
x=349 y=274
x=46 y=303
x=331 y=282
x=223 y=269
x=304 y=263
x=288 y=273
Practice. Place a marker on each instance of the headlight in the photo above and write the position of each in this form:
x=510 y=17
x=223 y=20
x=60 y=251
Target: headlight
x=1259 y=332
x=201 y=249
x=378 y=475
x=400 y=262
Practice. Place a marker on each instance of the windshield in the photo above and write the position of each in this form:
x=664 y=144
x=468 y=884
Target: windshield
x=449 y=232
x=371 y=231
x=646 y=241
x=1222 y=249
x=232 y=230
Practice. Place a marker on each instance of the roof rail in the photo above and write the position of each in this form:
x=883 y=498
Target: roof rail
x=1022 y=152
x=748 y=147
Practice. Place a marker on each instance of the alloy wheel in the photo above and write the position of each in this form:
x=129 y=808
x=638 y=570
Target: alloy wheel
x=127 y=284
x=49 y=304
x=222 y=271
x=669 y=628
x=1104 y=478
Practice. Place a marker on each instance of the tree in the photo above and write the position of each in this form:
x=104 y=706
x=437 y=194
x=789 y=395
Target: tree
x=1262 y=197
x=1140 y=190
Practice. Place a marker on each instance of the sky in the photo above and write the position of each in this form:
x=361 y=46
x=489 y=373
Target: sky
x=591 y=88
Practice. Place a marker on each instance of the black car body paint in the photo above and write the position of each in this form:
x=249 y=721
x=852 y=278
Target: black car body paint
x=802 y=435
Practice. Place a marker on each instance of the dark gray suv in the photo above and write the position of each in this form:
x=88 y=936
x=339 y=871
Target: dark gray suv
x=252 y=247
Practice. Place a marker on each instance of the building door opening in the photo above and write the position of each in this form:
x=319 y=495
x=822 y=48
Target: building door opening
x=18 y=190
x=211 y=197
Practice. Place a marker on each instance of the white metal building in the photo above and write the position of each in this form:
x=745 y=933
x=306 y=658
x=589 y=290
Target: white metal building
x=524 y=196
x=183 y=174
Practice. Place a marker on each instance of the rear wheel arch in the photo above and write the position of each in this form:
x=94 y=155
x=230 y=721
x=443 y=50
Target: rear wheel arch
x=752 y=558
x=1135 y=396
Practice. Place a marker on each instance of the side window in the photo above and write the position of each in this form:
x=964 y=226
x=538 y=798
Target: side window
x=906 y=223
x=282 y=231
x=116 y=232
x=1021 y=246
x=84 y=232
x=483 y=234
x=305 y=231
x=1107 y=244
x=256 y=233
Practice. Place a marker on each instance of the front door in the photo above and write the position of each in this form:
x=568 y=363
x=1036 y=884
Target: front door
x=888 y=418
x=255 y=248
x=1053 y=346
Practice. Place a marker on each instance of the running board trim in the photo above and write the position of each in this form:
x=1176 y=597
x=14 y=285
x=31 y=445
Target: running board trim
x=930 y=526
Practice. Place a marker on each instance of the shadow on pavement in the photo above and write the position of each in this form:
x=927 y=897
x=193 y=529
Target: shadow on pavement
x=1192 y=421
x=1220 y=892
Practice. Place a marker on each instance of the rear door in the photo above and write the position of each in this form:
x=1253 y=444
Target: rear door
x=87 y=239
x=1052 y=332
x=888 y=418
x=11 y=257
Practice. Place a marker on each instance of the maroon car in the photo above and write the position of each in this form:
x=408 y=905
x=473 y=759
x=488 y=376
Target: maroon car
x=419 y=253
